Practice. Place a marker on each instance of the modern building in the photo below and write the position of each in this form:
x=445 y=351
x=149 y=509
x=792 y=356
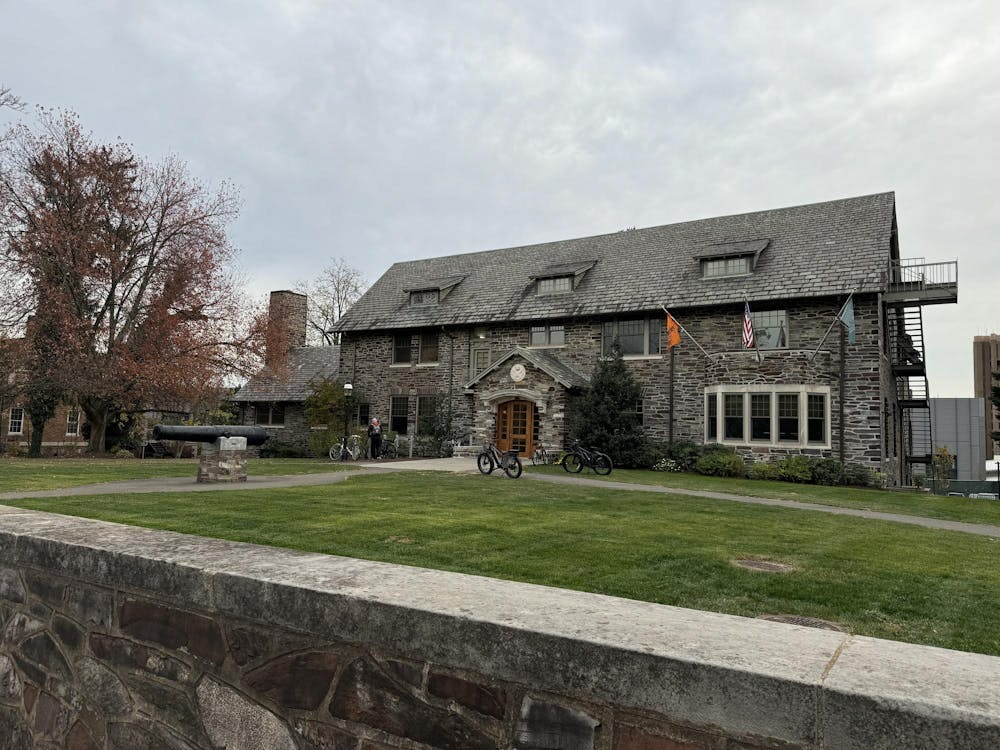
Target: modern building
x=958 y=426
x=986 y=362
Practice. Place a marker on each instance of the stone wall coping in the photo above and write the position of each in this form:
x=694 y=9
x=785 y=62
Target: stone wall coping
x=740 y=676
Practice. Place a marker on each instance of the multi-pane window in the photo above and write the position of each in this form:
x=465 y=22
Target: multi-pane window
x=784 y=416
x=401 y=348
x=270 y=413
x=637 y=337
x=725 y=267
x=426 y=414
x=73 y=422
x=399 y=408
x=364 y=414
x=425 y=297
x=770 y=329
x=428 y=347
x=480 y=361
x=557 y=285
x=816 y=418
x=16 y=424
x=760 y=416
x=788 y=416
x=733 y=416
x=547 y=335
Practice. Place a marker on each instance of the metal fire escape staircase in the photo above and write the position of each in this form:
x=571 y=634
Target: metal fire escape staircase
x=910 y=285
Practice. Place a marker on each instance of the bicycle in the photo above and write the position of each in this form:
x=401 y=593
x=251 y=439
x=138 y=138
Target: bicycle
x=490 y=458
x=540 y=457
x=348 y=449
x=389 y=450
x=577 y=457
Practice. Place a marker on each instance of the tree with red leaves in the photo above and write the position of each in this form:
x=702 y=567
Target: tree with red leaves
x=128 y=262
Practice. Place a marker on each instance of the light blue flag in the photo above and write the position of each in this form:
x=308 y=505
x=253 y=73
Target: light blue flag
x=847 y=318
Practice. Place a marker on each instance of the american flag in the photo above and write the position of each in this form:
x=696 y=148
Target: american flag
x=747 y=327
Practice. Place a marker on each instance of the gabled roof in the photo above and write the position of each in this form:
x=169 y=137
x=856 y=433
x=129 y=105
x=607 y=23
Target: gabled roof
x=545 y=361
x=816 y=250
x=306 y=364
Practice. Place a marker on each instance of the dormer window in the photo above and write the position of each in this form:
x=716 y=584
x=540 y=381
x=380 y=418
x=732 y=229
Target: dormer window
x=556 y=285
x=730 y=258
x=425 y=297
x=737 y=266
x=561 y=278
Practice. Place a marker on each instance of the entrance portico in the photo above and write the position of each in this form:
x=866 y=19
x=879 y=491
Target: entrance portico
x=520 y=400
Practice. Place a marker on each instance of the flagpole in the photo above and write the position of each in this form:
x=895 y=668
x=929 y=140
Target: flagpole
x=835 y=321
x=685 y=330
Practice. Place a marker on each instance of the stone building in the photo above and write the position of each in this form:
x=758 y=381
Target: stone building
x=510 y=337
x=274 y=398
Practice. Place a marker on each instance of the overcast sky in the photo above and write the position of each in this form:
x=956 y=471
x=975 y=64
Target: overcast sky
x=390 y=131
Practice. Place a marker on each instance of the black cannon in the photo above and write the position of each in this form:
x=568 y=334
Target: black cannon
x=210 y=433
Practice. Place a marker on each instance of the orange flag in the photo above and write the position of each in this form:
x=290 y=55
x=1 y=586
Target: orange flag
x=673 y=332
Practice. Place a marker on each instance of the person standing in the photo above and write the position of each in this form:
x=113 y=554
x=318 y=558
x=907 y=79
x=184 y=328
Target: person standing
x=375 y=437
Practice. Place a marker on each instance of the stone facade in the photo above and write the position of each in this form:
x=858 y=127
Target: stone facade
x=119 y=638
x=863 y=431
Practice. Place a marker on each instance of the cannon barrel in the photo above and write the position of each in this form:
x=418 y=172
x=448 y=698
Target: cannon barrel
x=209 y=433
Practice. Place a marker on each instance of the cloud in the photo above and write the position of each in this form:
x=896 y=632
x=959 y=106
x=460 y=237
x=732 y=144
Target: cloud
x=388 y=131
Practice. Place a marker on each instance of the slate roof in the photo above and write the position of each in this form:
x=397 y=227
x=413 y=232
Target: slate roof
x=815 y=250
x=545 y=361
x=305 y=365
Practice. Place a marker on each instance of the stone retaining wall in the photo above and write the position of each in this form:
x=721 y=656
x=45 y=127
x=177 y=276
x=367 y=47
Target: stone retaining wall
x=120 y=637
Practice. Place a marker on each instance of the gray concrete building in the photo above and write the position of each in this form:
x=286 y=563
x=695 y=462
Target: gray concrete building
x=958 y=426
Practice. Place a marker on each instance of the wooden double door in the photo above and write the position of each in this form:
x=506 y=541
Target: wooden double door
x=516 y=427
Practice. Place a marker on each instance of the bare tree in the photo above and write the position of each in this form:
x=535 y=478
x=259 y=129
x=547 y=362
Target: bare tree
x=9 y=100
x=331 y=295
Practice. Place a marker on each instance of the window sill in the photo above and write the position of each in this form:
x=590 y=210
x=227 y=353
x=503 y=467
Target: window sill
x=785 y=444
x=400 y=365
x=428 y=364
x=270 y=426
x=635 y=357
x=546 y=346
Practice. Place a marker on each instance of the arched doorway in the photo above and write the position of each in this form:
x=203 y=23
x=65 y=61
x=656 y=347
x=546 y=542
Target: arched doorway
x=516 y=426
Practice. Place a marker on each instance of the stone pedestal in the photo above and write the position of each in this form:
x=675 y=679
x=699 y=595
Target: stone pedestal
x=225 y=460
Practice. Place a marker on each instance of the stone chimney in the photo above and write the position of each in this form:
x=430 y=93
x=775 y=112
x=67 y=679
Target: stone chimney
x=286 y=315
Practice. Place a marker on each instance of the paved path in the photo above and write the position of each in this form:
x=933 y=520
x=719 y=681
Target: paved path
x=468 y=466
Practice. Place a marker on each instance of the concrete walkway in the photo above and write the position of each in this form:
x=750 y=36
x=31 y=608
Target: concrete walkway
x=467 y=465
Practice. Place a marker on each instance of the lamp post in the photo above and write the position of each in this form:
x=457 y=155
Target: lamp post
x=348 y=388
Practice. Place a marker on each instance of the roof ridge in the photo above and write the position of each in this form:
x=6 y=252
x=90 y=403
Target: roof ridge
x=759 y=212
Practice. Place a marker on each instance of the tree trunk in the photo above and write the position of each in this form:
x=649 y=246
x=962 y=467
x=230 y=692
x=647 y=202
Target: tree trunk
x=97 y=418
x=37 y=430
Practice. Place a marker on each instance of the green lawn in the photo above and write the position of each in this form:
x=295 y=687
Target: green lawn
x=878 y=578
x=23 y=474
x=888 y=501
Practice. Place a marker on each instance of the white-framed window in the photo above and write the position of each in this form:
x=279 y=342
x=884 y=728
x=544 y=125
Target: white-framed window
x=428 y=348
x=270 y=413
x=638 y=337
x=73 y=422
x=770 y=329
x=777 y=415
x=555 y=285
x=547 y=334
x=425 y=297
x=16 y=424
x=713 y=268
